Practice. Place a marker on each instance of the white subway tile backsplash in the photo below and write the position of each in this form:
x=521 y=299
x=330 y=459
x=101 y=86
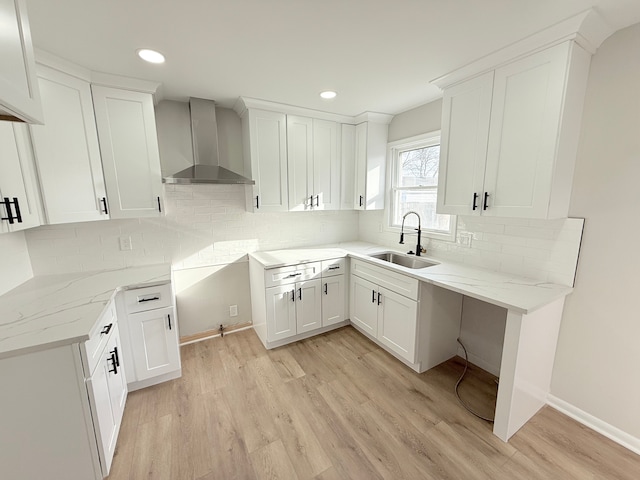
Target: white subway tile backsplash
x=203 y=225
x=546 y=250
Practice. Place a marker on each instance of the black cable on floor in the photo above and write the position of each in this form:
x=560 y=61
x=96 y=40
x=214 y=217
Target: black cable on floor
x=466 y=366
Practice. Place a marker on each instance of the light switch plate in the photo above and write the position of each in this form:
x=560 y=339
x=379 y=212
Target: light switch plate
x=125 y=243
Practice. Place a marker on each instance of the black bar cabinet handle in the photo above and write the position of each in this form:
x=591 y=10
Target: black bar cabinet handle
x=104 y=204
x=379 y=297
x=311 y=201
x=475 y=199
x=373 y=296
x=159 y=206
x=257 y=201
x=484 y=205
x=293 y=295
x=113 y=364
x=114 y=353
x=17 y=205
x=326 y=287
x=7 y=206
x=300 y=293
x=317 y=200
x=106 y=329
x=151 y=299
x=361 y=199
x=169 y=318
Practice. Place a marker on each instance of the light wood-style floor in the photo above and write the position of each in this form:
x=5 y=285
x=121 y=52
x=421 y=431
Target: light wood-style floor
x=338 y=407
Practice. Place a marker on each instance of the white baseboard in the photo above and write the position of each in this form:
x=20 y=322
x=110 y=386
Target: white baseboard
x=594 y=423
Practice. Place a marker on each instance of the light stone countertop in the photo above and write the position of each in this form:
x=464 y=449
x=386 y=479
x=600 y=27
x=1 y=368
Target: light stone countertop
x=53 y=310
x=519 y=294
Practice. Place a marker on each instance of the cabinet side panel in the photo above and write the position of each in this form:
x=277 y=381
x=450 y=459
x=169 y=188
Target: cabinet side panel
x=44 y=433
x=376 y=165
x=348 y=162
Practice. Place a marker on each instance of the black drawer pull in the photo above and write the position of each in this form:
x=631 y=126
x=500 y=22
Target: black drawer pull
x=334 y=267
x=151 y=299
x=294 y=274
x=106 y=329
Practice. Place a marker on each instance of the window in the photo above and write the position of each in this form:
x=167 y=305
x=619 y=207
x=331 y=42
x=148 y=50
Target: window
x=414 y=186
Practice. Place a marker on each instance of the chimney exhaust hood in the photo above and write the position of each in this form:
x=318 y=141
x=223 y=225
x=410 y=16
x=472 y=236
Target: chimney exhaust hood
x=204 y=137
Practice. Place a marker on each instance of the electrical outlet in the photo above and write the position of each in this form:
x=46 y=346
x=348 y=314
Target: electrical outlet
x=125 y=243
x=233 y=310
x=465 y=239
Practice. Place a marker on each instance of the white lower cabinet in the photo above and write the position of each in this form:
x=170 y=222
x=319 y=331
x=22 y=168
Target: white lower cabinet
x=385 y=315
x=294 y=302
x=107 y=388
x=333 y=300
x=149 y=335
x=155 y=336
x=415 y=321
x=62 y=407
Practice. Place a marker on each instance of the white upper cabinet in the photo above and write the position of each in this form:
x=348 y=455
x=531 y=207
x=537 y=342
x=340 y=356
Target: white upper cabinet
x=326 y=164
x=18 y=193
x=370 y=151
x=129 y=148
x=19 y=95
x=510 y=137
x=348 y=166
x=313 y=164
x=300 y=162
x=466 y=110
x=265 y=155
x=67 y=151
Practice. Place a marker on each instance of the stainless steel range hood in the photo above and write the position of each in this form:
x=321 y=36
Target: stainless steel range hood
x=204 y=136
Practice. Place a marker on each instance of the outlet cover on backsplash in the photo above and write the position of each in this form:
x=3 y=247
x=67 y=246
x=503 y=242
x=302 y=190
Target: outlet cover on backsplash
x=464 y=239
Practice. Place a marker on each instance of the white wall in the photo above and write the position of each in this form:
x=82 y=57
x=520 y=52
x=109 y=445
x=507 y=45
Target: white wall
x=598 y=354
x=15 y=267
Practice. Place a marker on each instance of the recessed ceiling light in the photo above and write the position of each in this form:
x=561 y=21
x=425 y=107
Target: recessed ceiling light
x=328 y=95
x=150 y=55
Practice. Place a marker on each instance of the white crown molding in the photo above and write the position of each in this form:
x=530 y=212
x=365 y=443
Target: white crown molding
x=65 y=66
x=588 y=29
x=374 y=117
x=127 y=83
x=594 y=423
x=244 y=103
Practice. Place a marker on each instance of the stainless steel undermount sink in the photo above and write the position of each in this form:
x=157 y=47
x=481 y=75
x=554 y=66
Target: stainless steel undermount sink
x=409 y=261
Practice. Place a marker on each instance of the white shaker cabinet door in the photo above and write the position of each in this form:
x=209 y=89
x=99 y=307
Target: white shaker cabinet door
x=397 y=317
x=129 y=147
x=364 y=305
x=19 y=95
x=281 y=312
x=326 y=165
x=17 y=182
x=67 y=151
x=154 y=340
x=466 y=111
x=525 y=125
x=267 y=146
x=333 y=300
x=308 y=306
x=300 y=162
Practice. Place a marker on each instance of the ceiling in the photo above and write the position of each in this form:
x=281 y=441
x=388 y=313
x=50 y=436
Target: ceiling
x=379 y=55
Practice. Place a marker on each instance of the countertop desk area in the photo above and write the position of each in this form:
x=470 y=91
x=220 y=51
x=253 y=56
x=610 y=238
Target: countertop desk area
x=534 y=311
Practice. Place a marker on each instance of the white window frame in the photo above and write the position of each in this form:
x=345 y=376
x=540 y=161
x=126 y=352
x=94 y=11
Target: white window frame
x=393 y=150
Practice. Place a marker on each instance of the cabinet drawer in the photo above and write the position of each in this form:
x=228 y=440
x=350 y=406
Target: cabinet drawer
x=148 y=298
x=296 y=273
x=394 y=281
x=333 y=267
x=92 y=349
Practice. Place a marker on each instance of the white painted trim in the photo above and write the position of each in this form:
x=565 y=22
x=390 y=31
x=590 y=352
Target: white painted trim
x=57 y=63
x=594 y=423
x=126 y=83
x=588 y=29
x=216 y=335
x=245 y=103
x=373 y=117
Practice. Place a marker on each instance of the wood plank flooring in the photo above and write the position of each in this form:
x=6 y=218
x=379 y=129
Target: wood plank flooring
x=338 y=407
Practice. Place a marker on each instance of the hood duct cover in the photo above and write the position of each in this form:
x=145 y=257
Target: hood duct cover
x=204 y=137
